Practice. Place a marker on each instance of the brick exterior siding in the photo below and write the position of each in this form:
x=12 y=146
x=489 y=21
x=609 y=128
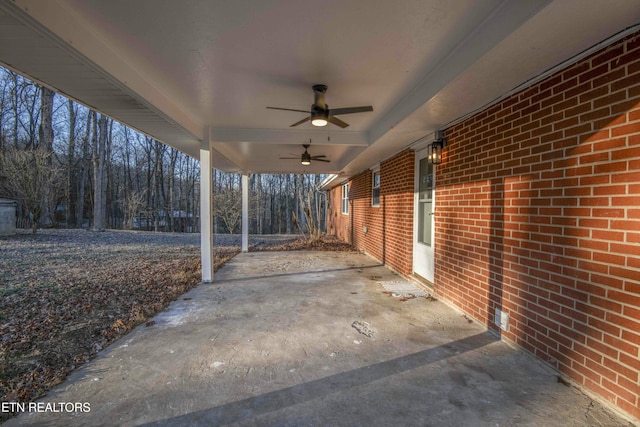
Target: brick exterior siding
x=389 y=236
x=338 y=224
x=537 y=214
x=538 y=205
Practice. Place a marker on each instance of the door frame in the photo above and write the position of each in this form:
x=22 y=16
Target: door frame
x=426 y=274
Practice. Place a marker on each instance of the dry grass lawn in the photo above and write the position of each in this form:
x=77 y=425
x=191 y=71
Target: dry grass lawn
x=66 y=294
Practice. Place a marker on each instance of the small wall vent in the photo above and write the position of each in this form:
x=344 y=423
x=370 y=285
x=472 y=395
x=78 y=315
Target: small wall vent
x=502 y=320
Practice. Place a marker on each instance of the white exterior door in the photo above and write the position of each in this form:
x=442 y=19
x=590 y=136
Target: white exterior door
x=424 y=207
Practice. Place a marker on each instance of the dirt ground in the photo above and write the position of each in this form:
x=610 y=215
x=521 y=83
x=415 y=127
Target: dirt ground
x=312 y=338
x=65 y=295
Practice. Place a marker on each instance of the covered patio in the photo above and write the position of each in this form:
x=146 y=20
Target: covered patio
x=530 y=225
x=199 y=77
x=313 y=338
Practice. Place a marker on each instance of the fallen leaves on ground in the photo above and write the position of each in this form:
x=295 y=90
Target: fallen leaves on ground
x=324 y=243
x=61 y=303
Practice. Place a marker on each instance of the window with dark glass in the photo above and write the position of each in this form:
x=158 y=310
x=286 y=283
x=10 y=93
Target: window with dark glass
x=375 y=189
x=345 y=199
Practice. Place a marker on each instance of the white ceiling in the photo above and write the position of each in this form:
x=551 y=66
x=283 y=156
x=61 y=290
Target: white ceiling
x=192 y=72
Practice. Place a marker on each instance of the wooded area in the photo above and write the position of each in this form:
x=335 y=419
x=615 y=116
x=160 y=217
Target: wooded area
x=69 y=166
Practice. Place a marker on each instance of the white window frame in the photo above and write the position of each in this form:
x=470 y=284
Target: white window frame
x=374 y=187
x=345 y=199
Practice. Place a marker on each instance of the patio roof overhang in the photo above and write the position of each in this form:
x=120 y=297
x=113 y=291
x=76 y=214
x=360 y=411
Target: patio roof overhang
x=199 y=74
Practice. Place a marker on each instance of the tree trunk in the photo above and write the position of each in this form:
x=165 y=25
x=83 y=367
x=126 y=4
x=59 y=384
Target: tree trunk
x=84 y=170
x=45 y=137
x=161 y=197
x=99 y=160
x=173 y=156
x=109 y=183
x=155 y=187
x=259 y=207
x=150 y=186
x=195 y=204
x=15 y=102
x=45 y=131
x=71 y=152
x=288 y=209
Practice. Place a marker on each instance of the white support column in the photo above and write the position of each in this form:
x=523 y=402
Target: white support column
x=206 y=214
x=245 y=213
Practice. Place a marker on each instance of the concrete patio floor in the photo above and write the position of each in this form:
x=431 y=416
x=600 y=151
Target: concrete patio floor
x=311 y=338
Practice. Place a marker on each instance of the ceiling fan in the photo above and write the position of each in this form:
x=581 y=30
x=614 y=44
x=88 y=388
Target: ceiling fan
x=306 y=158
x=320 y=114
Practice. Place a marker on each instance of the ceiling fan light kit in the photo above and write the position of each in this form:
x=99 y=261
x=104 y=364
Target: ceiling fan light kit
x=320 y=114
x=306 y=158
x=318 y=118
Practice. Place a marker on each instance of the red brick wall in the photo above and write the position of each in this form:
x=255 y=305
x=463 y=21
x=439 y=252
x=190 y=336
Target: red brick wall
x=338 y=224
x=360 y=208
x=389 y=236
x=538 y=205
x=396 y=201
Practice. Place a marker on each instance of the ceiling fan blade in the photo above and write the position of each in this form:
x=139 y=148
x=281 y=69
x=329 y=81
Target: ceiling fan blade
x=351 y=110
x=317 y=157
x=306 y=119
x=289 y=109
x=321 y=160
x=336 y=121
x=289 y=158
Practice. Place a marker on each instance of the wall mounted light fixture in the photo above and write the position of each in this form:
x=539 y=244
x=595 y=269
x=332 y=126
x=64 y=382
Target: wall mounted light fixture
x=435 y=152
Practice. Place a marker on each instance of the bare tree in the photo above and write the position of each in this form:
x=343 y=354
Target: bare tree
x=227 y=208
x=71 y=160
x=25 y=99
x=99 y=155
x=4 y=109
x=84 y=169
x=33 y=179
x=173 y=158
x=109 y=167
x=131 y=205
x=45 y=130
x=45 y=140
x=288 y=210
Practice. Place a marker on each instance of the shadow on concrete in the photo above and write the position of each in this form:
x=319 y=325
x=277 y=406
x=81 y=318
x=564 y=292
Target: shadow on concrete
x=244 y=410
x=223 y=281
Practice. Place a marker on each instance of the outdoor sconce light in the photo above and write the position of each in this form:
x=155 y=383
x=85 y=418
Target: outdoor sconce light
x=435 y=157
x=435 y=154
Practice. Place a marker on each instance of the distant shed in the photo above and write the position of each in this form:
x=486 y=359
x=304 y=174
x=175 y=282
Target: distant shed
x=7 y=217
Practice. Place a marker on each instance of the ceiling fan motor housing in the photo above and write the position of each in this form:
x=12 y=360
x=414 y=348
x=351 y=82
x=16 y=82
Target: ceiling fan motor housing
x=320 y=115
x=319 y=102
x=319 y=88
x=306 y=158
